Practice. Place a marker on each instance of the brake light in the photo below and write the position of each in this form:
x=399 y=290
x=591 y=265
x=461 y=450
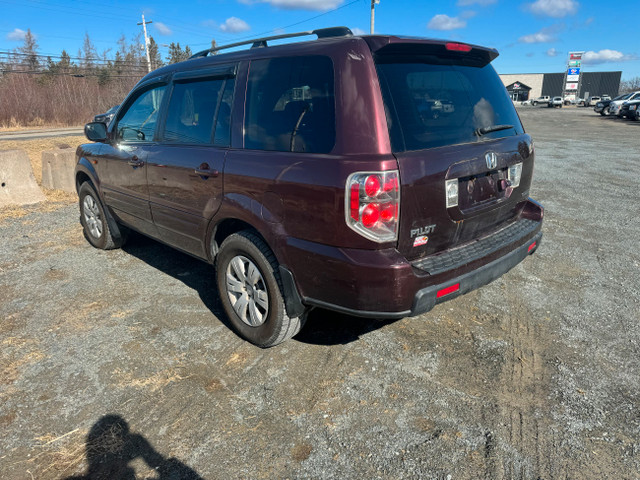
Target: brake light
x=372 y=204
x=457 y=47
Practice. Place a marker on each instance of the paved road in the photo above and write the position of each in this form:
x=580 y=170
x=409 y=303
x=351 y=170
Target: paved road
x=34 y=134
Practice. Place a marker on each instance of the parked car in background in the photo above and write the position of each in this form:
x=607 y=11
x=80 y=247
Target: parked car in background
x=556 y=102
x=614 y=107
x=545 y=99
x=107 y=116
x=300 y=172
x=605 y=97
x=629 y=109
x=569 y=100
x=602 y=107
x=592 y=101
x=525 y=102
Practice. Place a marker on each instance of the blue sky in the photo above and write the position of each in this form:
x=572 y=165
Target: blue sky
x=532 y=36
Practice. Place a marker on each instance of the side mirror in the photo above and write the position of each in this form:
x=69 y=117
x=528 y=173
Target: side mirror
x=96 y=131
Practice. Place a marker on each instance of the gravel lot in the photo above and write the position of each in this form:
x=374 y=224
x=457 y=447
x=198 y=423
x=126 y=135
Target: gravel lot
x=120 y=363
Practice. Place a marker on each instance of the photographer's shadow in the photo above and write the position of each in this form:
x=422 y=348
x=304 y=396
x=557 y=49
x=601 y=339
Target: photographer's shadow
x=111 y=448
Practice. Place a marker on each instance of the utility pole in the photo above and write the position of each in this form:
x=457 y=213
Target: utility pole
x=146 y=41
x=373 y=12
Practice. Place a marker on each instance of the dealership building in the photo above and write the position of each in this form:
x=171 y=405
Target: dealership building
x=525 y=86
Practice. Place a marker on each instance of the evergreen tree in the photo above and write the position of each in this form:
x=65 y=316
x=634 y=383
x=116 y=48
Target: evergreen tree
x=89 y=53
x=29 y=52
x=154 y=54
x=176 y=54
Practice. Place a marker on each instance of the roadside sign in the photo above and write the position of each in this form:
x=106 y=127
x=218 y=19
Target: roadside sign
x=574 y=63
x=571 y=86
x=573 y=71
x=575 y=55
x=573 y=78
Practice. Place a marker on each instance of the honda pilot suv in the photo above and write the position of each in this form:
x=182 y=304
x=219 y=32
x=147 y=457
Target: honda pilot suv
x=371 y=175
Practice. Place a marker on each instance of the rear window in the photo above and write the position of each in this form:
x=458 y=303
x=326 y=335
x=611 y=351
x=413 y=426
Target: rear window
x=441 y=103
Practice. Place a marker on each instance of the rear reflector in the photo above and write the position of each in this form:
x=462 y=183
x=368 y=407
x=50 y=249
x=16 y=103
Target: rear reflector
x=458 y=47
x=531 y=247
x=448 y=290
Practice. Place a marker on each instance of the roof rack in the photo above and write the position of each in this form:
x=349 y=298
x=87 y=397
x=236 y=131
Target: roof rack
x=262 y=42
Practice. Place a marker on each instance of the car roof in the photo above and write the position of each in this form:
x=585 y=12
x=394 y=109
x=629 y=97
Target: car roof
x=380 y=44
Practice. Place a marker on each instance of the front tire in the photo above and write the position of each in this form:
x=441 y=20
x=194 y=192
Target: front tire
x=251 y=291
x=94 y=221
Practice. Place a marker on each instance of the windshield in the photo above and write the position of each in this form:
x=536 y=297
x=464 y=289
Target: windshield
x=441 y=103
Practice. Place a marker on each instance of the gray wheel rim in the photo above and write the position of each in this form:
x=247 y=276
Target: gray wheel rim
x=92 y=216
x=247 y=291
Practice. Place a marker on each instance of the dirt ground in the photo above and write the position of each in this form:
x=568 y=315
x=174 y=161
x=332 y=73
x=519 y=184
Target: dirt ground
x=120 y=364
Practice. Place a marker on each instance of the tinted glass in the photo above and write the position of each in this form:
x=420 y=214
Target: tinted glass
x=223 y=120
x=192 y=110
x=138 y=124
x=290 y=105
x=431 y=105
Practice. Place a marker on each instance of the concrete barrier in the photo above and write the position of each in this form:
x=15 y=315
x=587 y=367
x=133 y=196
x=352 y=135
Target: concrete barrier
x=17 y=184
x=57 y=169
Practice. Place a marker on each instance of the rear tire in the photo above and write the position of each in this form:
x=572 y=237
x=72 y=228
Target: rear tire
x=251 y=291
x=94 y=221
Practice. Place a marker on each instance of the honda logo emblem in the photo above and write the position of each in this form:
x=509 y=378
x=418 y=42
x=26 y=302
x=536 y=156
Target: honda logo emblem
x=492 y=160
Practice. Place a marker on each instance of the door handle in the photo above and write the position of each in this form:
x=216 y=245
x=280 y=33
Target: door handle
x=135 y=162
x=206 y=172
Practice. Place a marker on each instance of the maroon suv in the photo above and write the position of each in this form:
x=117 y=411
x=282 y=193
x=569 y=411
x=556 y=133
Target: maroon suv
x=371 y=175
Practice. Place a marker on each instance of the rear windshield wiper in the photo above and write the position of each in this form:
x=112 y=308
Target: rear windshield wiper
x=493 y=128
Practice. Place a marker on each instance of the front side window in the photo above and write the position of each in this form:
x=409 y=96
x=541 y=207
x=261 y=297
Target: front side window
x=191 y=117
x=291 y=105
x=444 y=103
x=138 y=124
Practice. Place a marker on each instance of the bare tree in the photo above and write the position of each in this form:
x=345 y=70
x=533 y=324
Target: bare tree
x=630 y=85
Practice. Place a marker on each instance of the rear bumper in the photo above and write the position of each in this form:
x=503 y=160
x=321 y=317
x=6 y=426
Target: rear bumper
x=383 y=284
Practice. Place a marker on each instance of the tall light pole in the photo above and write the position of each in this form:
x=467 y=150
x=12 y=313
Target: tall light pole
x=146 y=41
x=373 y=12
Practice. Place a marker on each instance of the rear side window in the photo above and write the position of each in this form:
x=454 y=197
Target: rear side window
x=199 y=112
x=436 y=104
x=290 y=105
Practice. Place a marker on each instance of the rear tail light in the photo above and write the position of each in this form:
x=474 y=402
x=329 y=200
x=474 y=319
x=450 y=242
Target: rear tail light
x=514 y=174
x=372 y=204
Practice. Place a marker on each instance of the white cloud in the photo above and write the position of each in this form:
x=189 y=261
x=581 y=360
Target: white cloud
x=320 y=5
x=358 y=31
x=546 y=35
x=445 y=22
x=606 y=56
x=482 y=3
x=17 y=35
x=234 y=25
x=552 y=52
x=162 y=28
x=554 y=8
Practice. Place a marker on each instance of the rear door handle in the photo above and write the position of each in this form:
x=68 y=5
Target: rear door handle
x=207 y=172
x=135 y=162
